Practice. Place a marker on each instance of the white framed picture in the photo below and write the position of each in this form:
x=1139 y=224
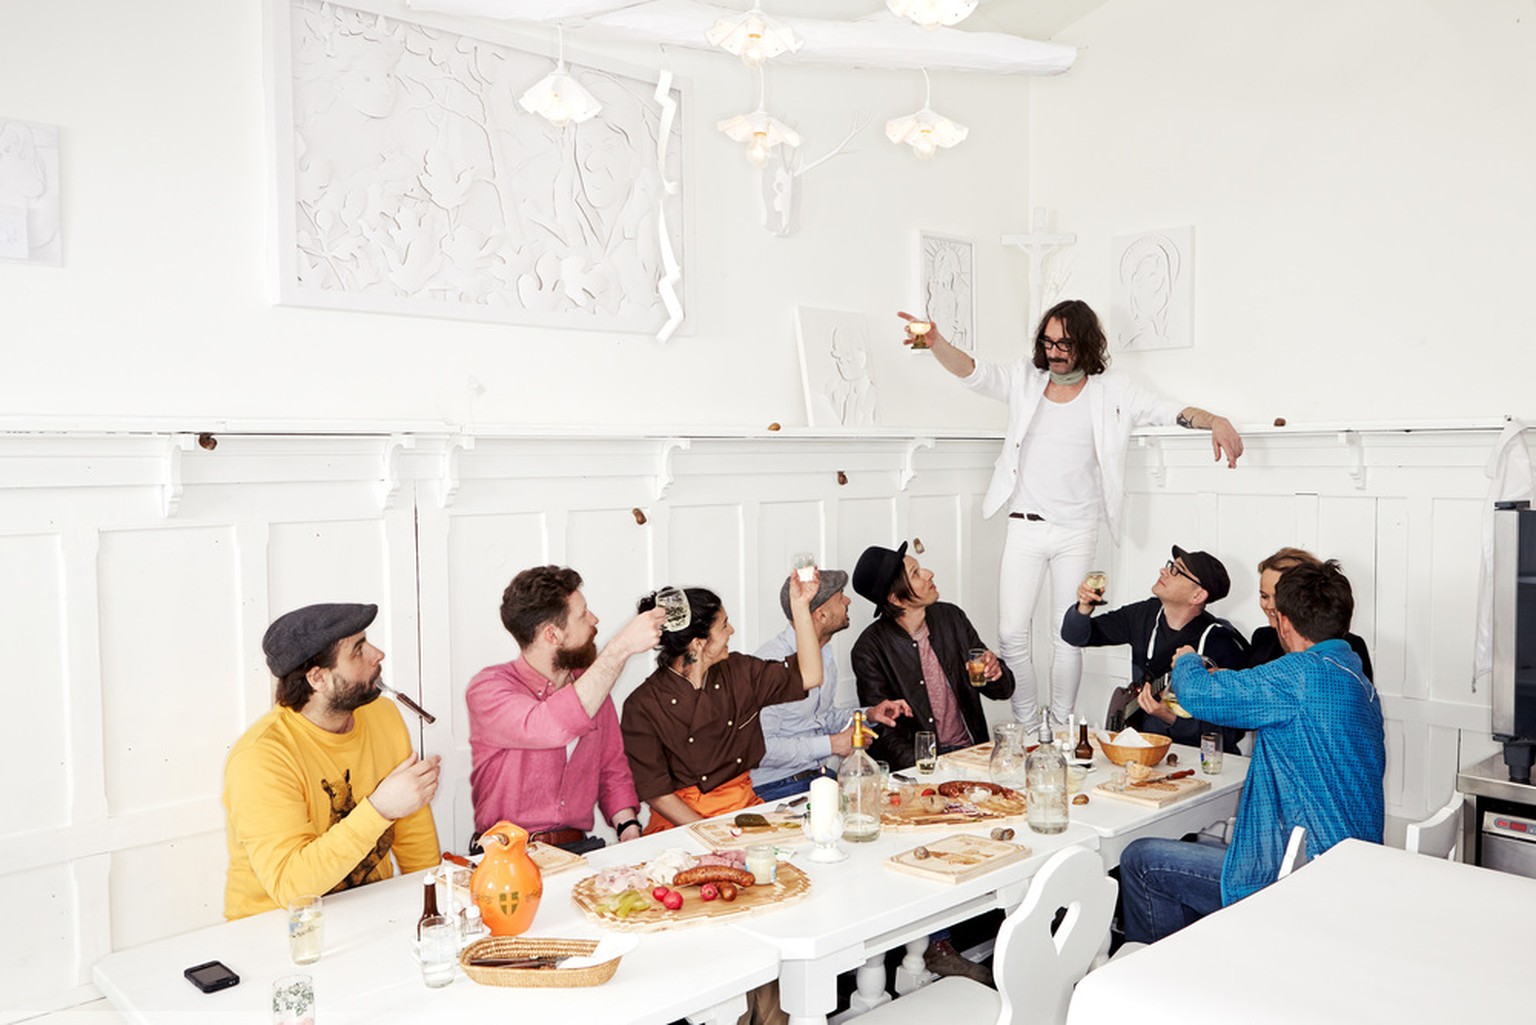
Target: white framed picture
x=946 y=286
x=29 y=194
x=1154 y=290
x=837 y=368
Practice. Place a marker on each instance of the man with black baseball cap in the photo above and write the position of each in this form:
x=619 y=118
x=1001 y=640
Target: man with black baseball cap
x=321 y=789
x=807 y=737
x=1154 y=629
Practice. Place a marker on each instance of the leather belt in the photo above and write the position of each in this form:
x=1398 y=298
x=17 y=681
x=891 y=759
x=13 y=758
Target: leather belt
x=556 y=837
x=1031 y=517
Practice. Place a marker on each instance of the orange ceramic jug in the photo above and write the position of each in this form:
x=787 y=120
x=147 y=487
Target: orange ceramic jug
x=507 y=885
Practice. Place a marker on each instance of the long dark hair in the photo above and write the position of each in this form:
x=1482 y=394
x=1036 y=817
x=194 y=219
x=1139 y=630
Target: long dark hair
x=1087 y=334
x=703 y=606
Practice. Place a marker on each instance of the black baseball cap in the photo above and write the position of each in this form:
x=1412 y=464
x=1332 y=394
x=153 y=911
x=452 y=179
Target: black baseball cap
x=1208 y=570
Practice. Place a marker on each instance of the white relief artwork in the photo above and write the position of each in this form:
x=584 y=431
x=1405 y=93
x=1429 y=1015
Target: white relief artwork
x=836 y=368
x=29 y=193
x=1154 y=290
x=418 y=185
x=778 y=181
x=946 y=286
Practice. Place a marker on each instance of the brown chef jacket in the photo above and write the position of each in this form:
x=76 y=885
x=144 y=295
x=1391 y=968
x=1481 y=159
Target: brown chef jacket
x=679 y=737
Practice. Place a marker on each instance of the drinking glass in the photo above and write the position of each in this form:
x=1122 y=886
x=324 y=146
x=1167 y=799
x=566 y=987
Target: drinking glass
x=976 y=666
x=926 y=750
x=805 y=566
x=439 y=947
x=293 y=1000
x=675 y=603
x=1210 y=753
x=1096 y=580
x=306 y=929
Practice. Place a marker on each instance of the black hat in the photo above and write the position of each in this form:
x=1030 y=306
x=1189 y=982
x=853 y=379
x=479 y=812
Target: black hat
x=876 y=571
x=1208 y=570
x=832 y=581
x=300 y=635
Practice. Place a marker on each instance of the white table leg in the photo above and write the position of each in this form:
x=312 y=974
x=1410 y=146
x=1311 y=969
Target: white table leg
x=869 y=986
x=727 y=1012
x=913 y=972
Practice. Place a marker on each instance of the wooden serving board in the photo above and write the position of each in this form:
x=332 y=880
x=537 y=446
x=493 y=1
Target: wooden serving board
x=722 y=834
x=977 y=760
x=957 y=858
x=554 y=860
x=792 y=885
x=986 y=813
x=1156 y=795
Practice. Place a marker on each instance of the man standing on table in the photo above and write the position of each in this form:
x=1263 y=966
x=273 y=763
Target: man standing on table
x=323 y=788
x=915 y=651
x=1155 y=628
x=543 y=733
x=805 y=738
x=1318 y=757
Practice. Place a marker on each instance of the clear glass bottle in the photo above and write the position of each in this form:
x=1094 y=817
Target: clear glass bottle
x=1047 y=811
x=862 y=787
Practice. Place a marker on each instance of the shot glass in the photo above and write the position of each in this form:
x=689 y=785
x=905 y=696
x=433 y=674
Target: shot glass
x=675 y=604
x=439 y=948
x=306 y=929
x=926 y=750
x=1210 y=753
x=293 y=1000
x=976 y=666
x=805 y=565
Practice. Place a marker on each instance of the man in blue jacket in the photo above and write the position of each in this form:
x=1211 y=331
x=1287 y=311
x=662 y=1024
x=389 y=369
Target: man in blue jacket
x=1318 y=758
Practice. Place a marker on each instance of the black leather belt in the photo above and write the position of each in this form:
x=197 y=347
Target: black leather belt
x=1031 y=517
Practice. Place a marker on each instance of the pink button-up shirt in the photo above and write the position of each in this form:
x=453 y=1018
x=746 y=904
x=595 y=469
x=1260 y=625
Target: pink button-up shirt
x=538 y=760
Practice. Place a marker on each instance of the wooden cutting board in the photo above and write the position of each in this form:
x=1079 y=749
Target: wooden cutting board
x=1155 y=795
x=722 y=834
x=977 y=760
x=554 y=860
x=986 y=813
x=792 y=885
x=957 y=858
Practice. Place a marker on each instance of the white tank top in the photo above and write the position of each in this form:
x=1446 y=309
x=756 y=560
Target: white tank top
x=1058 y=471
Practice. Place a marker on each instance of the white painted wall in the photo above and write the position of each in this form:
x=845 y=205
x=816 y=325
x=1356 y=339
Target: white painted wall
x=160 y=309
x=1358 y=173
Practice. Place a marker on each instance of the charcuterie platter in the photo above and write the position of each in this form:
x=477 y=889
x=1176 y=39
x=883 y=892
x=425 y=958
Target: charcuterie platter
x=705 y=893
x=780 y=828
x=961 y=802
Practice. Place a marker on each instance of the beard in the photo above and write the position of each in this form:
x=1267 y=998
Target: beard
x=577 y=658
x=353 y=695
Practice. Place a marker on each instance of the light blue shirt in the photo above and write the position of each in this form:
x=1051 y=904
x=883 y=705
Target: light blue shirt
x=798 y=734
x=1319 y=753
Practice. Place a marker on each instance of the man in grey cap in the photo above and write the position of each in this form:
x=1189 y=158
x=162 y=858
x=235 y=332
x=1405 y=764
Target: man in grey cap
x=807 y=737
x=323 y=788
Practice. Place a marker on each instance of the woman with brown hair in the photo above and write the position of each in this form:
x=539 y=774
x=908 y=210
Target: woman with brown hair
x=1265 y=646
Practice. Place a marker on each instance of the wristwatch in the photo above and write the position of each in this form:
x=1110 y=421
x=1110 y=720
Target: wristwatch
x=619 y=827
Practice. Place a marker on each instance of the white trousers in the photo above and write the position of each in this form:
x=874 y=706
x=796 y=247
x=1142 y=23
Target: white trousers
x=1029 y=551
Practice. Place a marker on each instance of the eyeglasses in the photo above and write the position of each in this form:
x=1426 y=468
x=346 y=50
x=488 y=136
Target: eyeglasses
x=1180 y=571
x=1064 y=345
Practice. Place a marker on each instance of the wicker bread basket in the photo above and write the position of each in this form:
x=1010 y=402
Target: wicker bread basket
x=1145 y=755
x=519 y=946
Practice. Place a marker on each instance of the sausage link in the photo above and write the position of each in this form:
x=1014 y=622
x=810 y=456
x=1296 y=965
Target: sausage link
x=713 y=874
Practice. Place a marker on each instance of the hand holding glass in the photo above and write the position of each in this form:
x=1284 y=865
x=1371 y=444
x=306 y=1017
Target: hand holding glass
x=1096 y=580
x=976 y=666
x=675 y=604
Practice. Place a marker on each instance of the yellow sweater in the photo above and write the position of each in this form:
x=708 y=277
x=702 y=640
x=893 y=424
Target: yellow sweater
x=297 y=817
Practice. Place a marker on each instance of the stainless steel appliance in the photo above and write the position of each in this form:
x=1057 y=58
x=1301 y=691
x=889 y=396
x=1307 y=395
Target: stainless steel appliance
x=1514 y=635
x=1499 y=819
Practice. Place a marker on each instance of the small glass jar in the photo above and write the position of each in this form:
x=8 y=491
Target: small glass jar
x=763 y=863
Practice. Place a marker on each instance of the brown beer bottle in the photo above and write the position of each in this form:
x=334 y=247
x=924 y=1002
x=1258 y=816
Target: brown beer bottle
x=1084 y=749
x=428 y=901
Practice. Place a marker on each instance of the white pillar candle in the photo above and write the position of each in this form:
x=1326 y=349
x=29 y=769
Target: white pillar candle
x=824 y=797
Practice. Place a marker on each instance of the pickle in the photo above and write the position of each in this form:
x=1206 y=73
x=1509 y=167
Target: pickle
x=750 y=820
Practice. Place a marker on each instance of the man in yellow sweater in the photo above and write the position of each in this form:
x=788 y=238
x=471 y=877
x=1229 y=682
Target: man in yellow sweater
x=321 y=789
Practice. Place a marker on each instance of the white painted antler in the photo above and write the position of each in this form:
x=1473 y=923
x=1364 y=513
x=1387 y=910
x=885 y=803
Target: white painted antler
x=860 y=122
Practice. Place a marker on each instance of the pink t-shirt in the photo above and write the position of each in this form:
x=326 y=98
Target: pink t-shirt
x=538 y=760
x=946 y=713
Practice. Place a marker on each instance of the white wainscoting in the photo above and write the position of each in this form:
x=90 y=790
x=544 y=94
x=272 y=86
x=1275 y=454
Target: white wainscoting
x=140 y=570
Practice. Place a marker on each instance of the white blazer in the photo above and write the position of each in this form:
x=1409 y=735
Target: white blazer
x=1116 y=406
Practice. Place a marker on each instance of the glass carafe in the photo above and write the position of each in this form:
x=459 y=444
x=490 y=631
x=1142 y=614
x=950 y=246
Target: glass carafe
x=862 y=787
x=1010 y=753
x=1047 y=810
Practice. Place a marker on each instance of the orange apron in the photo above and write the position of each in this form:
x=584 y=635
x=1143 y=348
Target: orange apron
x=731 y=796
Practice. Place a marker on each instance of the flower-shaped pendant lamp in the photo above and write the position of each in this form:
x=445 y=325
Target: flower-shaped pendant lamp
x=753 y=36
x=759 y=130
x=558 y=98
x=932 y=13
x=925 y=131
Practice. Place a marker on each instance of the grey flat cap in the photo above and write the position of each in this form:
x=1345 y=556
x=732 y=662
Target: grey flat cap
x=300 y=635
x=832 y=581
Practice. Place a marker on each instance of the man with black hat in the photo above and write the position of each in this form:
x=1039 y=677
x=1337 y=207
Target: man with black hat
x=805 y=738
x=1158 y=626
x=915 y=651
x=323 y=788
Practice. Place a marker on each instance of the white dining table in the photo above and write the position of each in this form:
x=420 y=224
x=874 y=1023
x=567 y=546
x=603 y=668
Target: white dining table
x=1362 y=934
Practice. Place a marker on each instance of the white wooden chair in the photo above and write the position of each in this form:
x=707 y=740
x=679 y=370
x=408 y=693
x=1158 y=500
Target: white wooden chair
x=1440 y=834
x=1035 y=970
x=1295 y=852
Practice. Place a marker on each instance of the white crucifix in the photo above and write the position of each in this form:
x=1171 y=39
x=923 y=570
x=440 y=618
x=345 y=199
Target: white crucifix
x=1037 y=245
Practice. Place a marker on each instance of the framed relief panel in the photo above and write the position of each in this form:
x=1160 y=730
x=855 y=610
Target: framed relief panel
x=946 y=286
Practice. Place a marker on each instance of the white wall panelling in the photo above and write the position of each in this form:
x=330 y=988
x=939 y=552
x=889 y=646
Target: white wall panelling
x=134 y=636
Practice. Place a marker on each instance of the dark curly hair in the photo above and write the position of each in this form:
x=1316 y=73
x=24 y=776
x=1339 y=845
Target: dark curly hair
x=1083 y=328
x=293 y=690
x=537 y=596
x=704 y=606
x=1317 y=599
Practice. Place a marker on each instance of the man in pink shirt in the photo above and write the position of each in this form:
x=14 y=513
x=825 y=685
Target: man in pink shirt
x=543 y=733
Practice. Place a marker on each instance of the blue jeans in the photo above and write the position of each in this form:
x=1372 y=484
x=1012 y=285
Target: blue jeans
x=1167 y=884
x=789 y=786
